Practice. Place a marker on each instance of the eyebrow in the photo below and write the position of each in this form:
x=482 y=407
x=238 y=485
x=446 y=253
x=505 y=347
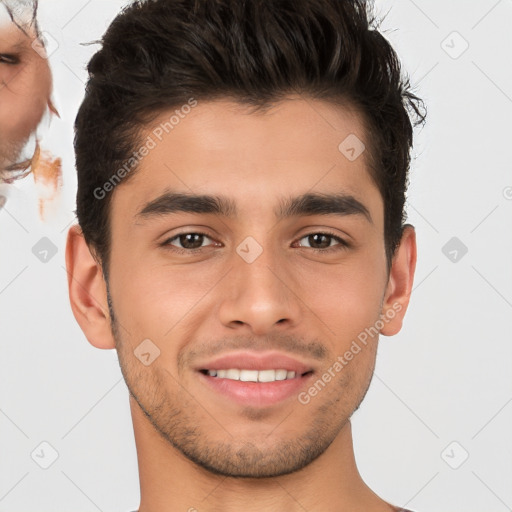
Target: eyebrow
x=15 y=49
x=308 y=204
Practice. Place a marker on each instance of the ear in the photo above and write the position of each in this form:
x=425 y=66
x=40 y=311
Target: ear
x=87 y=291
x=401 y=276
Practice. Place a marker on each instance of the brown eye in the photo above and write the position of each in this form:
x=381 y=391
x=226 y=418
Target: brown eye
x=322 y=242
x=319 y=241
x=191 y=240
x=187 y=241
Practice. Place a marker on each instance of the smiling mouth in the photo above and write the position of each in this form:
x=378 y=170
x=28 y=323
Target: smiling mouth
x=245 y=375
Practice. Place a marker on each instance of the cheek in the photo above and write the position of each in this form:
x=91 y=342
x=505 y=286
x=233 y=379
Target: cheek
x=156 y=302
x=7 y=74
x=347 y=298
x=24 y=99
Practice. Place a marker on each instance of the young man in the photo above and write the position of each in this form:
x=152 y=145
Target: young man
x=242 y=168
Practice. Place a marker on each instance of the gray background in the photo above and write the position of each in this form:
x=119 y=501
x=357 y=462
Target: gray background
x=442 y=388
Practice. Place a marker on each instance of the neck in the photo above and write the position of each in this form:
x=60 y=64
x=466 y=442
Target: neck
x=169 y=482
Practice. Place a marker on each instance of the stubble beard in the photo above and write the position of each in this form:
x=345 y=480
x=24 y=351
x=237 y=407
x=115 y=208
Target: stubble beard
x=183 y=421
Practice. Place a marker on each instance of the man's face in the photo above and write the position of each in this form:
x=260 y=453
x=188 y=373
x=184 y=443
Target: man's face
x=25 y=88
x=228 y=306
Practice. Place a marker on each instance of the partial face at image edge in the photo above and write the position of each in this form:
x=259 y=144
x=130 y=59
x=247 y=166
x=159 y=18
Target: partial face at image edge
x=25 y=89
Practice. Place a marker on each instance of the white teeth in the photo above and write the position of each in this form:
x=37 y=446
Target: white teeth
x=266 y=375
x=248 y=375
x=281 y=374
x=252 y=375
x=233 y=373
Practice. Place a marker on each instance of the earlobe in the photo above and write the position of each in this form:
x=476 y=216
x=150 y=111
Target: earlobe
x=401 y=277
x=87 y=291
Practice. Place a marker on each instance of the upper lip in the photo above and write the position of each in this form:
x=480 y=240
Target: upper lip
x=256 y=361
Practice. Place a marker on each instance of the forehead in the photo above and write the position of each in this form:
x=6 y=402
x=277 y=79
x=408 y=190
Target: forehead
x=15 y=39
x=223 y=148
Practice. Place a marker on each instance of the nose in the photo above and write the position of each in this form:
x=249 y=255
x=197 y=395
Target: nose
x=260 y=296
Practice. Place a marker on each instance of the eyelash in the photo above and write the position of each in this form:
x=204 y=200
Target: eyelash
x=9 y=59
x=341 y=245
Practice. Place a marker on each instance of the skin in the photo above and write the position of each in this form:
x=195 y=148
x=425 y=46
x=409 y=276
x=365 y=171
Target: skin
x=207 y=452
x=25 y=90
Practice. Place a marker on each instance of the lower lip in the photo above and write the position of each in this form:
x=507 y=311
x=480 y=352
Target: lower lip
x=259 y=394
